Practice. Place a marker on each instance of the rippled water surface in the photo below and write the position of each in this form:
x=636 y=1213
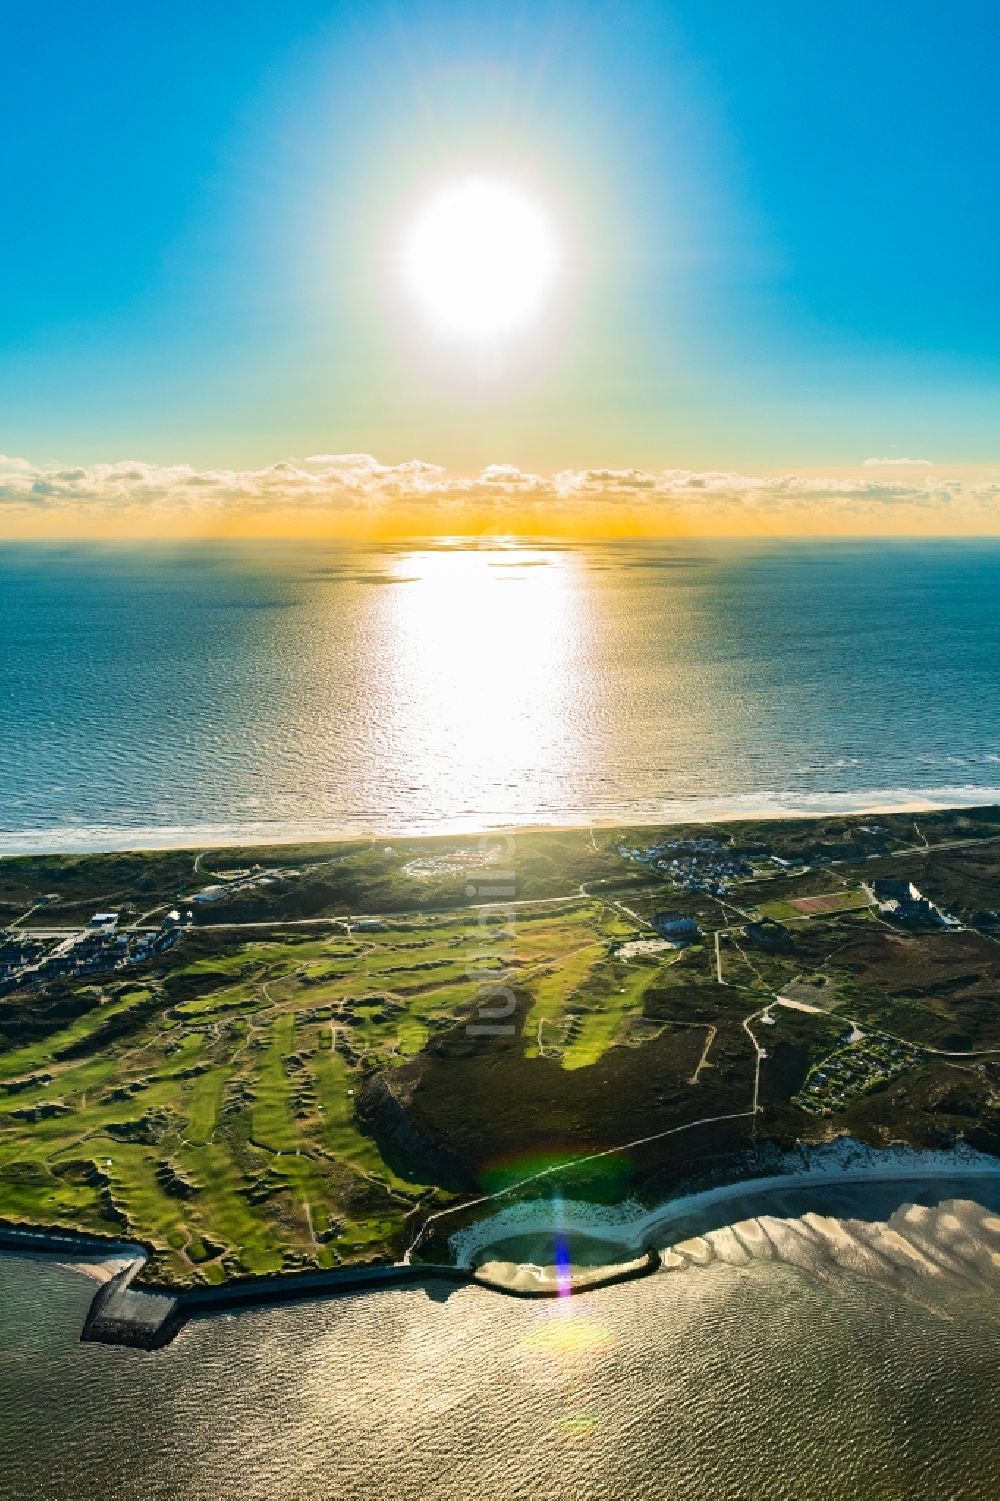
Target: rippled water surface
x=210 y=693
x=799 y=1361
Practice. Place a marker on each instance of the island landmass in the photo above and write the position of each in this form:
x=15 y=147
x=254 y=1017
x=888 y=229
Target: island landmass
x=333 y=1059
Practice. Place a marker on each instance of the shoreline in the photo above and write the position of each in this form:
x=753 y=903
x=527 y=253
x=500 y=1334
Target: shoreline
x=765 y=806
x=633 y=1225
x=150 y=1317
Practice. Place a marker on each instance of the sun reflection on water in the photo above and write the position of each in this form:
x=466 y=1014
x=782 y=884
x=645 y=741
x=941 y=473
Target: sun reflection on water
x=487 y=650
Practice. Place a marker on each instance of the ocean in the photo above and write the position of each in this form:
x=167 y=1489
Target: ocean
x=209 y=694
x=817 y=1357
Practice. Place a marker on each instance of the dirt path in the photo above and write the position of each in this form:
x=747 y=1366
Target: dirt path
x=547 y=1172
x=710 y=1037
x=718 y=958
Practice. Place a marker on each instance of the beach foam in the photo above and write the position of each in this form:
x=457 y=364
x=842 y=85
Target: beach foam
x=86 y=838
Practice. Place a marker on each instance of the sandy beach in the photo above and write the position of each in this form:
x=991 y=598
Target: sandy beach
x=630 y=1228
x=109 y=839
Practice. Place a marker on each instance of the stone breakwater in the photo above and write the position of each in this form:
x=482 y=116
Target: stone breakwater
x=148 y=1319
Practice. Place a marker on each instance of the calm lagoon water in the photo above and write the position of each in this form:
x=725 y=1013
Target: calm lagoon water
x=154 y=696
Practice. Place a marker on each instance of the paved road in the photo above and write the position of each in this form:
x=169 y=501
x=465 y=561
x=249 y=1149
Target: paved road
x=718 y=958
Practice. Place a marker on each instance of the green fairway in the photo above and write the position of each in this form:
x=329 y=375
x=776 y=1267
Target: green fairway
x=262 y=1098
x=218 y=1121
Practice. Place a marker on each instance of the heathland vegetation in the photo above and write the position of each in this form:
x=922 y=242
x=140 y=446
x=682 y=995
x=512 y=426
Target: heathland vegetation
x=345 y=1038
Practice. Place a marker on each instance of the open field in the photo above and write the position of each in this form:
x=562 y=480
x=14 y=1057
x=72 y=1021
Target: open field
x=833 y=902
x=276 y=1091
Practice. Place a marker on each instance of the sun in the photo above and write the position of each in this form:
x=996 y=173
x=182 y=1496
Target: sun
x=479 y=259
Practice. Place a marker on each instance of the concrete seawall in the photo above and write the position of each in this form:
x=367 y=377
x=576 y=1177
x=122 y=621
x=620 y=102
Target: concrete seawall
x=54 y=1241
x=148 y=1319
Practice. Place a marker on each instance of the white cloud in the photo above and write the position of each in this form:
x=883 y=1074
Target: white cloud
x=899 y=463
x=357 y=483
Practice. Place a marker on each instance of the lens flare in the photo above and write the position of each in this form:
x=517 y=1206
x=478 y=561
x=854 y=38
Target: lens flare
x=566 y=1336
x=563 y=1266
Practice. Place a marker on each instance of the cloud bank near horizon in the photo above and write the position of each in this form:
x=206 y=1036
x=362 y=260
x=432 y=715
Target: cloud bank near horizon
x=354 y=492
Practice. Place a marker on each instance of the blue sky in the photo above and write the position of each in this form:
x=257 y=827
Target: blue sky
x=782 y=221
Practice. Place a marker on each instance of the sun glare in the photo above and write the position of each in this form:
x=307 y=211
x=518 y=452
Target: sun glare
x=479 y=259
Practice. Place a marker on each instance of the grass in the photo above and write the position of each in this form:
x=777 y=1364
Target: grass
x=210 y=1110
x=37 y=1056
x=826 y=903
x=584 y=1006
x=557 y=989
x=203 y=1103
x=222 y=1128
x=615 y=996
